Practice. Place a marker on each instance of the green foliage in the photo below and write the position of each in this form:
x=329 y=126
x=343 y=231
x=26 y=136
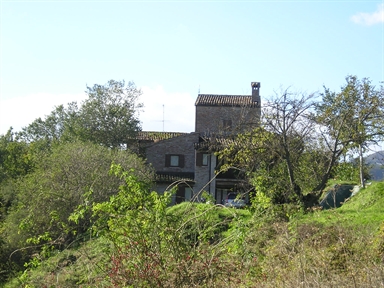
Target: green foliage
x=75 y=267
x=273 y=184
x=262 y=156
x=107 y=117
x=56 y=191
x=286 y=158
x=133 y=220
x=207 y=197
x=261 y=202
x=157 y=246
x=276 y=246
x=59 y=126
x=353 y=118
x=16 y=158
x=346 y=171
x=370 y=200
x=252 y=152
x=74 y=176
x=379 y=242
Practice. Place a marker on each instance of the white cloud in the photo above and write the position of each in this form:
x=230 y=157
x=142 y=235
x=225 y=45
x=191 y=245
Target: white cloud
x=21 y=111
x=179 y=110
x=369 y=19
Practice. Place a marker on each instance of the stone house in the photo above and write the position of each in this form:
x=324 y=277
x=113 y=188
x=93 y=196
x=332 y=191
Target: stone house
x=188 y=159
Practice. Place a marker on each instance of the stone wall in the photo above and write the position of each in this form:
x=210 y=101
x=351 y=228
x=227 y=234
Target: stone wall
x=213 y=118
x=181 y=145
x=204 y=174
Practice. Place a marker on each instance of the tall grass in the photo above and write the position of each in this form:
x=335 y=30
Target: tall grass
x=275 y=247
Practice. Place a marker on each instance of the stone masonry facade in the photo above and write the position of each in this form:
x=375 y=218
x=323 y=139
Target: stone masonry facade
x=181 y=145
x=181 y=158
x=225 y=120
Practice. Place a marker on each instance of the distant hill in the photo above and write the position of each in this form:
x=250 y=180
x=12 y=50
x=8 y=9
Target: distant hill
x=376 y=162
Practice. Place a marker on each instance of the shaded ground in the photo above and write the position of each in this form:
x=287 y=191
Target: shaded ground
x=338 y=195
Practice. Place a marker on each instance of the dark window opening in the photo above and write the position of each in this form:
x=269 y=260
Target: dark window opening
x=202 y=159
x=174 y=160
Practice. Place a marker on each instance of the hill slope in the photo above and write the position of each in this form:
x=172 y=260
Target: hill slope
x=376 y=162
x=277 y=246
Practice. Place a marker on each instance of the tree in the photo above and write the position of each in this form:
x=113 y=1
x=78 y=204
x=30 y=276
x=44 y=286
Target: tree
x=255 y=153
x=352 y=119
x=274 y=154
x=290 y=120
x=74 y=174
x=109 y=115
x=15 y=157
x=59 y=125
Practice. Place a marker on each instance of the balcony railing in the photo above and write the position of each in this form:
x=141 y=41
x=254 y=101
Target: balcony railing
x=169 y=177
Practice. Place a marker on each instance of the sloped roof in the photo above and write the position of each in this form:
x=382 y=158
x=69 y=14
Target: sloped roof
x=225 y=100
x=157 y=136
x=214 y=142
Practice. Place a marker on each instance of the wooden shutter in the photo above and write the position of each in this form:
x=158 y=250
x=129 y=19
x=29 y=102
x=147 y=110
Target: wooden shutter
x=167 y=160
x=181 y=161
x=199 y=159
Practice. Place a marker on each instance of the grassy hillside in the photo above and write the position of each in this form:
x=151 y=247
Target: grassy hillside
x=280 y=246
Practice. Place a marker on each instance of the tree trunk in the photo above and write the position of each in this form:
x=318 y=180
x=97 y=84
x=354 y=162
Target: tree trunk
x=335 y=155
x=296 y=188
x=361 y=166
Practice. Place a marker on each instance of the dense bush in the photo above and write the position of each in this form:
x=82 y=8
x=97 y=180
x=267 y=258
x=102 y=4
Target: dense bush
x=73 y=175
x=154 y=246
x=138 y=241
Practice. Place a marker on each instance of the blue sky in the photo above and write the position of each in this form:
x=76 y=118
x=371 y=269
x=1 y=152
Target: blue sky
x=51 y=50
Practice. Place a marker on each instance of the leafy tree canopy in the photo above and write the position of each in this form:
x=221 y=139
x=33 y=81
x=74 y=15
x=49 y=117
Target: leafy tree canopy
x=274 y=154
x=73 y=175
x=353 y=118
x=108 y=117
x=299 y=142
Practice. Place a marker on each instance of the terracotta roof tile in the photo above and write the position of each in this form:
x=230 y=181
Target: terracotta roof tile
x=214 y=143
x=224 y=100
x=157 y=136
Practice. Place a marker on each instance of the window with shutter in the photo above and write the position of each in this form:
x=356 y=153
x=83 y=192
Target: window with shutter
x=205 y=159
x=174 y=160
x=188 y=193
x=202 y=159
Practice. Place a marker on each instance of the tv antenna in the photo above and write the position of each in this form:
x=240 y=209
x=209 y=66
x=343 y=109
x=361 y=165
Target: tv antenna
x=163 y=118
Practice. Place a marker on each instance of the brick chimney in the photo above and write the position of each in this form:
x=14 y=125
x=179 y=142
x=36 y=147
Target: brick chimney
x=255 y=92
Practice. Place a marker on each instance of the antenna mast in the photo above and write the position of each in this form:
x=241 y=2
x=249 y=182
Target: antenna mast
x=163 y=118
